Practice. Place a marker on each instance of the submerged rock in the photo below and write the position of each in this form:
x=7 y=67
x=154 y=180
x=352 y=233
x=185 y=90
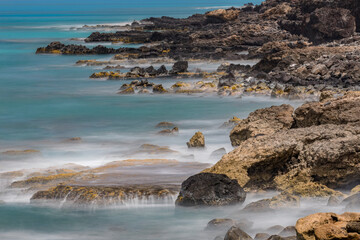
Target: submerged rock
x=173 y=131
x=288 y=232
x=277 y=237
x=196 y=141
x=208 y=189
x=283 y=200
x=21 y=152
x=220 y=224
x=352 y=203
x=165 y=125
x=262 y=236
x=217 y=154
x=236 y=233
x=275 y=229
x=333 y=201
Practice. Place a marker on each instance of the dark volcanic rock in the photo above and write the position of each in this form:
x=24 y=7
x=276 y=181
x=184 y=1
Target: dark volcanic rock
x=179 y=67
x=207 y=189
x=328 y=24
x=59 y=48
x=323 y=24
x=227 y=80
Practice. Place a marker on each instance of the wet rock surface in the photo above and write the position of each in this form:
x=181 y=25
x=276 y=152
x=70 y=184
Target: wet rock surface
x=208 y=189
x=104 y=195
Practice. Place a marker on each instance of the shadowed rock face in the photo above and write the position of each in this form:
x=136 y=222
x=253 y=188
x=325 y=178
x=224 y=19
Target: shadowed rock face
x=308 y=160
x=208 y=189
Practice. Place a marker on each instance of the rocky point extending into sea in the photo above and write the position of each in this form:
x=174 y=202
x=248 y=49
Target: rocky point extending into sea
x=301 y=49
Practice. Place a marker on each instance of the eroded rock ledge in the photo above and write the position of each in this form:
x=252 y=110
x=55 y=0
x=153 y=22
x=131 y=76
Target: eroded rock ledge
x=314 y=152
x=106 y=195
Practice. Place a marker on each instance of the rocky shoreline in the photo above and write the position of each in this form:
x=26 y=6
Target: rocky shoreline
x=292 y=41
x=303 y=49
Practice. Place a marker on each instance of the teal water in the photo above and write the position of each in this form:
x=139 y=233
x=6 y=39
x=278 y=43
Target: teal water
x=46 y=99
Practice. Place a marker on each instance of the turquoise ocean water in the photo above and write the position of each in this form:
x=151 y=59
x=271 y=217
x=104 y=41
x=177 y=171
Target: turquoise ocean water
x=45 y=99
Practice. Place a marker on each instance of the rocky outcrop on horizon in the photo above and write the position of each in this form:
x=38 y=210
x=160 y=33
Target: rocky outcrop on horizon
x=300 y=43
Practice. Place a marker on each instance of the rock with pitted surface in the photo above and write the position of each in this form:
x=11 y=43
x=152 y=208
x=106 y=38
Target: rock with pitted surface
x=312 y=158
x=328 y=226
x=262 y=122
x=222 y=15
x=342 y=110
x=305 y=160
x=196 y=141
x=208 y=189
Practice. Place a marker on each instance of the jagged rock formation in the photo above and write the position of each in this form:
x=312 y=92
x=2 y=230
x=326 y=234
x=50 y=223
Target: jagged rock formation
x=196 y=141
x=318 y=154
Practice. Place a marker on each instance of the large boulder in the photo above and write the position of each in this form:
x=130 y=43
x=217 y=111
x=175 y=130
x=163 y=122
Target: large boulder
x=328 y=226
x=262 y=122
x=208 y=189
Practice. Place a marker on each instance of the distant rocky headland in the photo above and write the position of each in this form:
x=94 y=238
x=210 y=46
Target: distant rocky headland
x=302 y=48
